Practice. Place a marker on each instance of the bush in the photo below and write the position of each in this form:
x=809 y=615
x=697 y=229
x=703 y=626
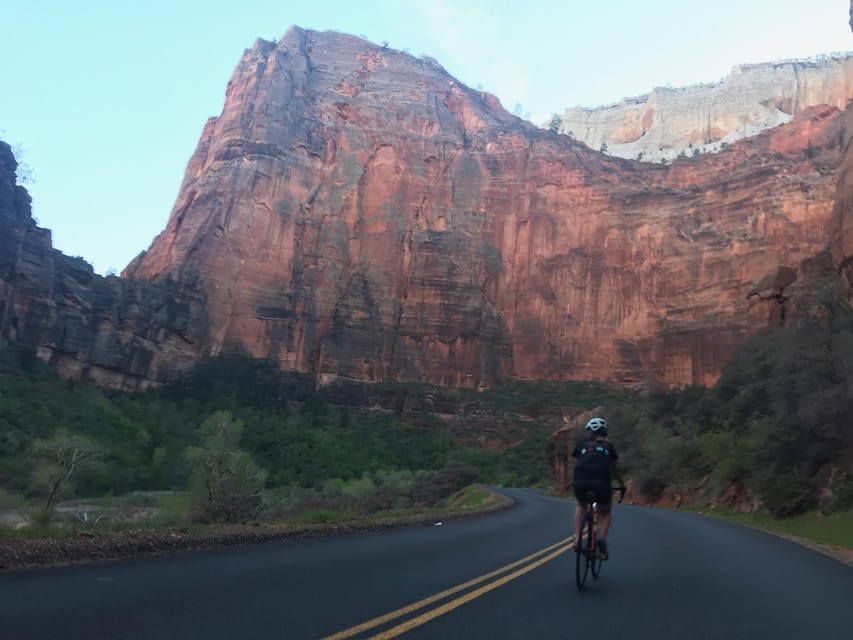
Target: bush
x=840 y=496
x=399 y=480
x=18 y=506
x=430 y=487
x=725 y=454
x=785 y=494
x=359 y=488
x=650 y=487
x=12 y=501
x=227 y=485
x=57 y=462
x=382 y=499
x=172 y=511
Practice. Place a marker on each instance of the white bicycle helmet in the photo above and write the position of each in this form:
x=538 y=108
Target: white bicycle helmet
x=597 y=425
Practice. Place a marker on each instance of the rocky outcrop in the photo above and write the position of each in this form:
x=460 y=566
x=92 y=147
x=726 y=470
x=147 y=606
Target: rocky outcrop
x=114 y=332
x=560 y=444
x=355 y=211
x=558 y=448
x=705 y=118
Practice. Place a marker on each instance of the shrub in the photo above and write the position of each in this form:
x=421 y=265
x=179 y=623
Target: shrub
x=18 y=505
x=840 y=494
x=399 y=480
x=650 y=487
x=725 y=454
x=785 y=494
x=359 y=488
x=227 y=485
x=381 y=499
x=430 y=487
x=172 y=511
x=57 y=462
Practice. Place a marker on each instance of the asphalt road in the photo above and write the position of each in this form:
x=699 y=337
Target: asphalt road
x=671 y=575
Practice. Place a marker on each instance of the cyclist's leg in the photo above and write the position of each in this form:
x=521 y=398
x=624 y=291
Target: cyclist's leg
x=580 y=490
x=579 y=514
x=604 y=499
x=605 y=518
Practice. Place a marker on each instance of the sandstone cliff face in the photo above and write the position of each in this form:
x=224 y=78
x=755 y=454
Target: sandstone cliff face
x=704 y=118
x=115 y=333
x=355 y=211
x=842 y=231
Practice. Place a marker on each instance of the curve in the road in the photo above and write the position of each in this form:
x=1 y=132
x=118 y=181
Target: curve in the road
x=671 y=575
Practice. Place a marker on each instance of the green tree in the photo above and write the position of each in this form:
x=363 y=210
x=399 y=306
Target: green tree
x=554 y=124
x=226 y=485
x=57 y=460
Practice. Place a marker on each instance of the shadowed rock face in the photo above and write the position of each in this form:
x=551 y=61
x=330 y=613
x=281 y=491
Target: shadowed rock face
x=356 y=211
x=113 y=332
x=842 y=232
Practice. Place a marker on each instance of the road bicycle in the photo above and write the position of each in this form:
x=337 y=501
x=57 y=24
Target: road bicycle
x=587 y=558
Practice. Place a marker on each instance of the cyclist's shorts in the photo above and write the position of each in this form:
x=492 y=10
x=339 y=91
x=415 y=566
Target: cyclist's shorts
x=601 y=490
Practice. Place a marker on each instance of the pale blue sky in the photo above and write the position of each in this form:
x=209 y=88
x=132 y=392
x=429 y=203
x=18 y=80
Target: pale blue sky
x=107 y=99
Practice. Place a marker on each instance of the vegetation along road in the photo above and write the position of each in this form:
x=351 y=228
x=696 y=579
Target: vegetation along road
x=509 y=575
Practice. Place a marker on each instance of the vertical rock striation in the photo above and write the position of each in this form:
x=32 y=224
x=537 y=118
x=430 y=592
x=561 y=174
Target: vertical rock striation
x=356 y=211
x=842 y=229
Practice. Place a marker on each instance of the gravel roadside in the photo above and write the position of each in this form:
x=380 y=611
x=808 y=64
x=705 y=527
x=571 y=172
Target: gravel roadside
x=97 y=546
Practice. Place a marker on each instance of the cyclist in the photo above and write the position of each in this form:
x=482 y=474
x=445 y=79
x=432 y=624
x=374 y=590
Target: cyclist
x=594 y=471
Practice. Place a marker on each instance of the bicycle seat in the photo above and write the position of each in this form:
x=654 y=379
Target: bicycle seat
x=590 y=496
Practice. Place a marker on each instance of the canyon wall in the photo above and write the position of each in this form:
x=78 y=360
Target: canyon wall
x=355 y=211
x=842 y=230
x=114 y=332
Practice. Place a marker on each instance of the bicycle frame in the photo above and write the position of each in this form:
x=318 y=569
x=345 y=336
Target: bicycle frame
x=591 y=516
x=587 y=557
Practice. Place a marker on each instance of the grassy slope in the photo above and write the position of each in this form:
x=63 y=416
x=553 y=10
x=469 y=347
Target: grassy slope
x=831 y=534
x=835 y=529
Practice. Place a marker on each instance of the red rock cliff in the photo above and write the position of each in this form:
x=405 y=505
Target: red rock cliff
x=356 y=211
x=842 y=238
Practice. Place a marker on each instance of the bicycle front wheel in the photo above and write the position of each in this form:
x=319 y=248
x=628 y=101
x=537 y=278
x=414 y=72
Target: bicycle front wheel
x=583 y=554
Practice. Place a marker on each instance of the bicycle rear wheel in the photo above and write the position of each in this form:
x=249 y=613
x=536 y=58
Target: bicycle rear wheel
x=584 y=553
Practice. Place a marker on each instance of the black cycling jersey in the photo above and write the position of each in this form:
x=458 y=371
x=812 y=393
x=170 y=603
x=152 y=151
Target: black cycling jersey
x=595 y=460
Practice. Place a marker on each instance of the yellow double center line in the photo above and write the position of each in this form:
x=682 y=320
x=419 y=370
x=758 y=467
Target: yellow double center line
x=527 y=564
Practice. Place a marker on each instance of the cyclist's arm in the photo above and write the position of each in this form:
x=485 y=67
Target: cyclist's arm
x=614 y=470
